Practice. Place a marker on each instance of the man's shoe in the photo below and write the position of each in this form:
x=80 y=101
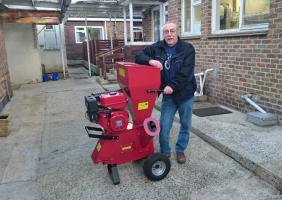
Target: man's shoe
x=180 y=157
x=167 y=154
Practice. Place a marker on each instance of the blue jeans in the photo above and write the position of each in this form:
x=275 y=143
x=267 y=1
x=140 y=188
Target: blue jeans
x=168 y=110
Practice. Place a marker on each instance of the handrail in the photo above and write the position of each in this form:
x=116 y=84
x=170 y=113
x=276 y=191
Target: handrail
x=109 y=51
x=103 y=56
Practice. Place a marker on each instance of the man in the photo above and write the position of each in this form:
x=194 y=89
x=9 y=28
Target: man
x=176 y=59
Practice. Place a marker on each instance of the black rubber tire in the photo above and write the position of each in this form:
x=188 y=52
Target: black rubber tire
x=156 y=167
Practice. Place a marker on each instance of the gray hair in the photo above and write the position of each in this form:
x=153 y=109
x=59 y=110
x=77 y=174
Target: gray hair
x=169 y=22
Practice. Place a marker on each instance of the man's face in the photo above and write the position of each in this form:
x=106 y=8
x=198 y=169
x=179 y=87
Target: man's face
x=170 y=34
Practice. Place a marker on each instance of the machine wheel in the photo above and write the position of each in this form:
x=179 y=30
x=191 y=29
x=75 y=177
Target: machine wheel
x=113 y=172
x=156 y=167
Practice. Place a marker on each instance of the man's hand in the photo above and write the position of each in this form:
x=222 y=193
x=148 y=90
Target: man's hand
x=156 y=63
x=168 y=90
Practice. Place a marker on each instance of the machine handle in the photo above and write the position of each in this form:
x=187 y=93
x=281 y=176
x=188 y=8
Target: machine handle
x=151 y=91
x=103 y=137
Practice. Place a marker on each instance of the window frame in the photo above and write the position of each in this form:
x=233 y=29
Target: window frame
x=157 y=8
x=84 y=31
x=242 y=28
x=165 y=13
x=192 y=16
x=76 y=31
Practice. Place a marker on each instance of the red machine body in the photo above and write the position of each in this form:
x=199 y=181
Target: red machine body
x=134 y=138
x=127 y=125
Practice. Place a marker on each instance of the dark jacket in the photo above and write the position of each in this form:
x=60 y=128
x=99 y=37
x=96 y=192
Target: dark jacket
x=183 y=81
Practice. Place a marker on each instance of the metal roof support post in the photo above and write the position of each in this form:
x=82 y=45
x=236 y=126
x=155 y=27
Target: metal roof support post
x=62 y=39
x=87 y=43
x=115 y=32
x=162 y=22
x=106 y=30
x=124 y=26
x=131 y=21
x=111 y=33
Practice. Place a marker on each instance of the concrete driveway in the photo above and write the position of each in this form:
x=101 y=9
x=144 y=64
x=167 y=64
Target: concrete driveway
x=47 y=156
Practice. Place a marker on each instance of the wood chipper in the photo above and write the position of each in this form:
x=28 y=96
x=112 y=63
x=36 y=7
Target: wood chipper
x=125 y=138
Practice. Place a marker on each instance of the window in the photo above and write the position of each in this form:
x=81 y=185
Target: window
x=138 y=33
x=239 y=15
x=191 y=17
x=94 y=32
x=255 y=12
x=49 y=27
x=79 y=34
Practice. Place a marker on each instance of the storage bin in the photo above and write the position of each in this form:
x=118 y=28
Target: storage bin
x=45 y=77
x=55 y=76
x=4 y=125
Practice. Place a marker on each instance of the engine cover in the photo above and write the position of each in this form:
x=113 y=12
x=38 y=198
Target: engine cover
x=118 y=121
x=114 y=122
x=113 y=100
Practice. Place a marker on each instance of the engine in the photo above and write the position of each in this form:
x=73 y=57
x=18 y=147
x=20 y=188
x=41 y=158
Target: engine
x=108 y=110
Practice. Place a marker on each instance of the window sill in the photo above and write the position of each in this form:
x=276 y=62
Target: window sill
x=51 y=49
x=238 y=34
x=191 y=37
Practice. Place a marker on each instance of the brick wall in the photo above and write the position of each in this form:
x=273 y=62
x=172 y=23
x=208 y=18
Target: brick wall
x=251 y=63
x=117 y=29
x=5 y=82
x=174 y=12
x=147 y=26
x=74 y=50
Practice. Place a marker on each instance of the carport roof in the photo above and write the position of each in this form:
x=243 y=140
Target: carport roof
x=108 y=8
x=73 y=8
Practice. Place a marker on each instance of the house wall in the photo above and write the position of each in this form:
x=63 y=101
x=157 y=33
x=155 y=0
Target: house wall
x=147 y=26
x=243 y=64
x=52 y=60
x=22 y=54
x=117 y=29
x=75 y=50
x=174 y=14
x=5 y=82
